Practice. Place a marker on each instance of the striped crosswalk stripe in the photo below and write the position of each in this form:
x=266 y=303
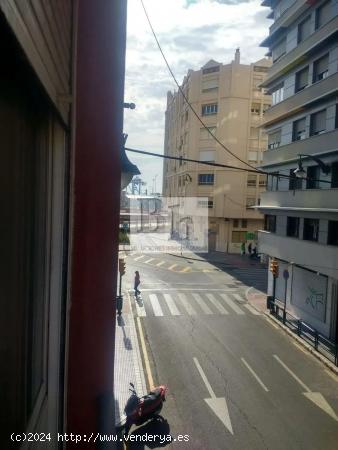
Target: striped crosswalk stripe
x=156 y=305
x=238 y=297
x=217 y=304
x=149 y=260
x=204 y=307
x=160 y=263
x=138 y=258
x=232 y=304
x=141 y=312
x=186 y=269
x=190 y=310
x=171 y=267
x=171 y=305
x=251 y=309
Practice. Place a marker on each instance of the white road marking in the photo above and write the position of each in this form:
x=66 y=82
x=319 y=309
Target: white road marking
x=139 y=257
x=251 y=309
x=292 y=374
x=149 y=260
x=217 y=304
x=239 y=298
x=205 y=308
x=191 y=289
x=160 y=263
x=232 y=304
x=218 y=405
x=186 y=269
x=141 y=312
x=156 y=305
x=171 y=267
x=253 y=373
x=171 y=305
x=190 y=310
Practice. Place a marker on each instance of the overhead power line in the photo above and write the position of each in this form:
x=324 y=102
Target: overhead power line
x=225 y=166
x=187 y=101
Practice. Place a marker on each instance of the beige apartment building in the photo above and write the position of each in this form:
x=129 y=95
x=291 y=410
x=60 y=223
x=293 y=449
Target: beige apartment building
x=231 y=104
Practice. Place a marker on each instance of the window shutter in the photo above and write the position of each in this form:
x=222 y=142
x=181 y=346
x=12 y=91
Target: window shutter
x=302 y=78
x=209 y=84
x=318 y=122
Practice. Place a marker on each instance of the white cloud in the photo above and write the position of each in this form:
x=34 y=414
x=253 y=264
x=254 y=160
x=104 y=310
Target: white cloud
x=190 y=32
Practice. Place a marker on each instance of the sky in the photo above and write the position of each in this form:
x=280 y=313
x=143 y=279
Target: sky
x=191 y=32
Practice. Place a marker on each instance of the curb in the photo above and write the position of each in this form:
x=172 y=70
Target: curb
x=304 y=344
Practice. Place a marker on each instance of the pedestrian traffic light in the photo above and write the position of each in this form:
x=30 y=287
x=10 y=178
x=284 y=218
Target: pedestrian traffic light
x=122 y=267
x=274 y=267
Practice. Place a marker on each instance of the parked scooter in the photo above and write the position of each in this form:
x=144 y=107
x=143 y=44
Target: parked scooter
x=139 y=410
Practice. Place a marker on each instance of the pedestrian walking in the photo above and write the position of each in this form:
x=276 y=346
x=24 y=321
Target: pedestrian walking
x=137 y=282
x=243 y=248
x=250 y=248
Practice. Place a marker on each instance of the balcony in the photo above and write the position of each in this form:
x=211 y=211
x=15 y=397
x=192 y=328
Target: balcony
x=314 y=145
x=308 y=199
x=314 y=256
x=292 y=105
x=304 y=48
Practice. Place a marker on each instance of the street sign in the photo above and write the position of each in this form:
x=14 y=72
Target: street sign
x=286 y=274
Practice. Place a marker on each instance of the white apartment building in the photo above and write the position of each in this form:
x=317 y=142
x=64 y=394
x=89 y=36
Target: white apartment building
x=302 y=214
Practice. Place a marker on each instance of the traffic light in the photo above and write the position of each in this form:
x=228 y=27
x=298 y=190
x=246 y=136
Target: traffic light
x=122 y=267
x=274 y=267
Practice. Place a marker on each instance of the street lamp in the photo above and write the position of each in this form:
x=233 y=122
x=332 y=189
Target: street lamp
x=300 y=172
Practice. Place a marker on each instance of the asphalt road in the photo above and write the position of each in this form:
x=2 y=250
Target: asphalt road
x=235 y=380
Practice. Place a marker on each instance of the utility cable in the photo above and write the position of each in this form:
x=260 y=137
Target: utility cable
x=225 y=166
x=186 y=99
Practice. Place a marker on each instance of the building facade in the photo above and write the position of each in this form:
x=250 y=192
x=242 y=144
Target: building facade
x=302 y=212
x=231 y=104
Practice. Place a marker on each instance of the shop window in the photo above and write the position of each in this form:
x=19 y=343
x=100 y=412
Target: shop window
x=292 y=229
x=332 y=237
x=311 y=230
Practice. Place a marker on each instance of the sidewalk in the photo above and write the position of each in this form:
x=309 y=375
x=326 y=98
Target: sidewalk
x=127 y=361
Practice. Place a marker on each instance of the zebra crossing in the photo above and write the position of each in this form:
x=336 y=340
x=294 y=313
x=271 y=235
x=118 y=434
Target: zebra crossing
x=192 y=304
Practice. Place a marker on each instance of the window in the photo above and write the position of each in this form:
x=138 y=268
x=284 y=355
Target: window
x=313 y=175
x=255 y=108
x=294 y=182
x=334 y=175
x=304 y=29
x=260 y=69
x=238 y=236
x=274 y=139
x=210 y=70
x=206 y=178
x=244 y=223
x=207 y=155
x=277 y=94
x=332 y=237
x=205 y=204
x=302 y=78
x=270 y=223
x=208 y=110
x=205 y=135
x=318 y=123
x=250 y=201
x=254 y=133
x=320 y=68
x=279 y=50
x=252 y=180
x=292 y=228
x=323 y=14
x=311 y=229
x=262 y=180
x=253 y=156
x=299 y=130
x=210 y=85
x=236 y=223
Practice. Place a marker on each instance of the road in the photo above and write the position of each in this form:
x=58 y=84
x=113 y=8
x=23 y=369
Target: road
x=235 y=380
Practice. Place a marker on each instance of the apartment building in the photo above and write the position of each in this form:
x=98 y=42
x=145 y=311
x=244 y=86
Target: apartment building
x=301 y=213
x=229 y=100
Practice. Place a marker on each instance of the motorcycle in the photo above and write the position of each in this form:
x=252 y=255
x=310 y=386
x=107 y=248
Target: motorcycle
x=139 y=410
